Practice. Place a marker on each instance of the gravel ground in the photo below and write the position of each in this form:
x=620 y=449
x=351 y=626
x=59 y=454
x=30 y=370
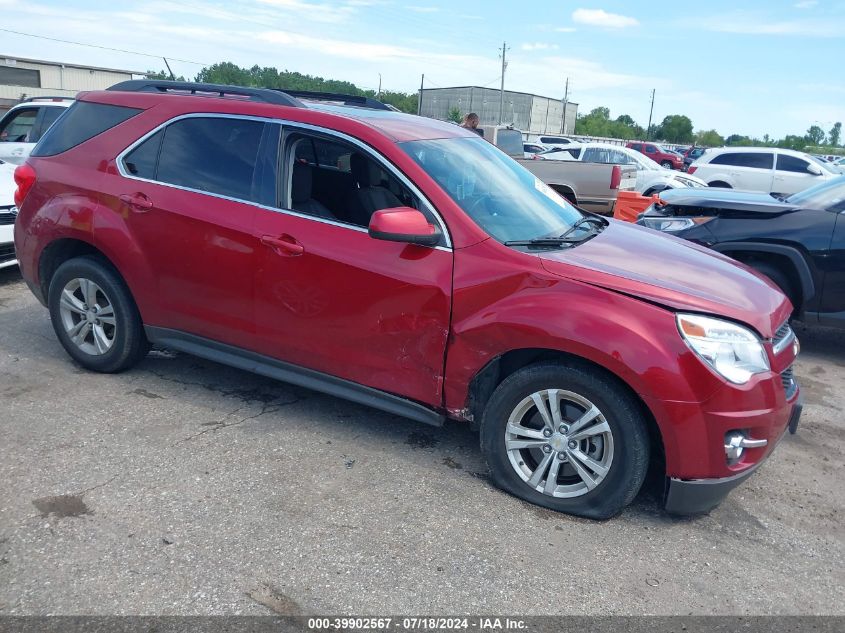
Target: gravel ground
x=185 y=487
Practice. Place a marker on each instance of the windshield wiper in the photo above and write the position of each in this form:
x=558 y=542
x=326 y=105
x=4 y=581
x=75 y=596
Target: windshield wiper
x=543 y=241
x=587 y=219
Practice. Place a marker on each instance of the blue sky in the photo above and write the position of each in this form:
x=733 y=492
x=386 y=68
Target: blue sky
x=751 y=67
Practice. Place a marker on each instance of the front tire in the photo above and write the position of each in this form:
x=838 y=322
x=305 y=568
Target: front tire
x=566 y=437
x=95 y=317
x=667 y=164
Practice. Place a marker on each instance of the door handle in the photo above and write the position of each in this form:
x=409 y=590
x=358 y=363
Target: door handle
x=137 y=201
x=283 y=244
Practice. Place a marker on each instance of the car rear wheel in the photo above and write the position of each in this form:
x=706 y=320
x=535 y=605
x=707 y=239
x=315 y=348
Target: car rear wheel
x=667 y=164
x=94 y=316
x=566 y=438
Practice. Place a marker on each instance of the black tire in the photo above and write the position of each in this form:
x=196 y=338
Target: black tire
x=781 y=280
x=129 y=344
x=667 y=164
x=719 y=183
x=630 y=441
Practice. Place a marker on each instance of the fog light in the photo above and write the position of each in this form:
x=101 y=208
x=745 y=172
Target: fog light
x=735 y=444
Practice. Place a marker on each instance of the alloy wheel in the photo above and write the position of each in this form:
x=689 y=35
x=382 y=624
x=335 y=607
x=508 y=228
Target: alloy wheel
x=559 y=443
x=87 y=316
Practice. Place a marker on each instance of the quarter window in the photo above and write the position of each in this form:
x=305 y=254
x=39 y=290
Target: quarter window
x=141 y=161
x=744 y=159
x=792 y=163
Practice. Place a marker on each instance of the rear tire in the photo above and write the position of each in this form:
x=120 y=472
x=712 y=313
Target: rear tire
x=594 y=442
x=94 y=316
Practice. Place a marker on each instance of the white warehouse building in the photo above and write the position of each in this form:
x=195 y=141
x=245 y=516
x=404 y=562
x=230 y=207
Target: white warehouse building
x=22 y=78
x=533 y=114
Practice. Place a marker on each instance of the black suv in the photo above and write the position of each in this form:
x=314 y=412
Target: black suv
x=798 y=241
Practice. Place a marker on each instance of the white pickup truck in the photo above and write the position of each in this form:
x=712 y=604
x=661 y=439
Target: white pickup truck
x=592 y=186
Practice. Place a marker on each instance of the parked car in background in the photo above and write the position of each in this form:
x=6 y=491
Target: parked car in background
x=797 y=241
x=24 y=124
x=651 y=177
x=558 y=153
x=532 y=149
x=555 y=141
x=435 y=278
x=659 y=154
x=8 y=213
x=766 y=169
x=692 y=155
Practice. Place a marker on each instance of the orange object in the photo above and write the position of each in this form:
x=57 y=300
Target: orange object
x=630 y=204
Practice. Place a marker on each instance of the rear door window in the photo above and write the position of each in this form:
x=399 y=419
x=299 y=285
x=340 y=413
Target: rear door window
x=215 y=155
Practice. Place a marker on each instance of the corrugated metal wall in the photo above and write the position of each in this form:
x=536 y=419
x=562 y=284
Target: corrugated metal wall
x=529 y=113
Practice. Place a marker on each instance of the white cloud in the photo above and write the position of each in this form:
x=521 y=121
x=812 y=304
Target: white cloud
x=749 y=23
x=600 y=17
x=565 y=29
x=806 y=4
x=423 y=9
x=538 y=46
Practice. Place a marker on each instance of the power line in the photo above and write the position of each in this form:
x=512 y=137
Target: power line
x=105 y=48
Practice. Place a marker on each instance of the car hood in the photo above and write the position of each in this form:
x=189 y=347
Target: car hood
x=7 y=184
x=673 y=273
x=719 y=198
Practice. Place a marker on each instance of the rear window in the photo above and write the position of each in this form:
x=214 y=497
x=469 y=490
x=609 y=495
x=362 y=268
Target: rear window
x=510 y=142
x=744 y=159
x=82 y=121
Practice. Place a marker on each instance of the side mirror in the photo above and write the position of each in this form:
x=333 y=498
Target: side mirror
x=403 y=224
x=814 y=169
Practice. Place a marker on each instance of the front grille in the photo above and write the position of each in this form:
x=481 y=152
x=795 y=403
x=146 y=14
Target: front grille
x=6 y=216
x=782 y=337
x=7 y=253
x=787 y=378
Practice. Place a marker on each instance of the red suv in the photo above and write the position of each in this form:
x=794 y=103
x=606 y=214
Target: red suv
x=407 y=264
x=659 y=154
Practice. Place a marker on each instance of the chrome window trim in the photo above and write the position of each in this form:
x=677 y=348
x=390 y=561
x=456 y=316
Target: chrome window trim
x=283 y=123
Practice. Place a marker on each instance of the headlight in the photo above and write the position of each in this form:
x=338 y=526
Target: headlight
x=733 y=351
x=671 y=224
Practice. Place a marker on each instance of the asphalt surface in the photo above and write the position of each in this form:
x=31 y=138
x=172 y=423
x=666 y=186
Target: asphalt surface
x=185 y=487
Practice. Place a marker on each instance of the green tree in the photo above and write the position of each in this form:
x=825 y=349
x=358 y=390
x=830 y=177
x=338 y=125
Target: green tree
x=161 y=74
x=835 y=134
x=815 y=135
x=709 y=138
x=455 y=114
x=676 y=128
x=792 y=141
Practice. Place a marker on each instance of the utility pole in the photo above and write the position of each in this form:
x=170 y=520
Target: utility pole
x=172 y=76
x=565 y=101
x=502 y=89
x=419 y=101
x=379 y=86
x=650 y=112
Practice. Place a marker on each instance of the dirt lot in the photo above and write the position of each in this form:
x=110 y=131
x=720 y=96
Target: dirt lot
x=184 y=487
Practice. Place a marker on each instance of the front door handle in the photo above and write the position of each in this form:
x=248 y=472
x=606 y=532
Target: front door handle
x=137 y=201
x=283 y=244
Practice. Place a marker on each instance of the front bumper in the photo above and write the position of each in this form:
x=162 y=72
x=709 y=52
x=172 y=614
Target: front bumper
x=698 y=496
x=7 y=245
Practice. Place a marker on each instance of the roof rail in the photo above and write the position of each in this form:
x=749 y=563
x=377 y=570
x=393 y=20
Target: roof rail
x=48 y=98
x=262 y=95
x=336 y=97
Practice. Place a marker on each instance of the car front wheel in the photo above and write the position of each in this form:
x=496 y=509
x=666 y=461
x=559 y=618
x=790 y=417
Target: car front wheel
x=566 y=437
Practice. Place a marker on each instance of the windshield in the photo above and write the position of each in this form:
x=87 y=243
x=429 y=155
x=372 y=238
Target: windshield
x=500 y=195
x=827 y=195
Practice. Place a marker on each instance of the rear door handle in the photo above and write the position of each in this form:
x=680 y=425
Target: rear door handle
x=137 y=201
x=283 y=244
